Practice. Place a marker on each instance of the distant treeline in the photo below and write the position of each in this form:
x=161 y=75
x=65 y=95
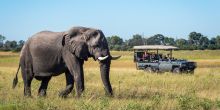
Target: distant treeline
x=10 y=45
x=195 y=41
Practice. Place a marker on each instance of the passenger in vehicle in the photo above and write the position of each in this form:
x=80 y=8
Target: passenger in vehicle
x=164 y=58
x=145 y=56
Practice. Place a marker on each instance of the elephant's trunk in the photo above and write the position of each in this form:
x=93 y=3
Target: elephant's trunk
x=104 y=69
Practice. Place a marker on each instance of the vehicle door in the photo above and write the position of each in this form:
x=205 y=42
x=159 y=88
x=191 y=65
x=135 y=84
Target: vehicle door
x=165 y=65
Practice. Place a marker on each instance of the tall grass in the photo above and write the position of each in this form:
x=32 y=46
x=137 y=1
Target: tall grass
x=133 y=89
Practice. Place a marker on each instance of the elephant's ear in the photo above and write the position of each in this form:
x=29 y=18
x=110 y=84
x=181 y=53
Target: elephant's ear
x=73 y=32
x=65 y=39
x=80 y=49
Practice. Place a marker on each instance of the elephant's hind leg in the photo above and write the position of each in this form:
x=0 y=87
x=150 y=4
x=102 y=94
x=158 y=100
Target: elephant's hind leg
x=69 y=85
x=27 y=76
x=27 y=70
x=43 y=87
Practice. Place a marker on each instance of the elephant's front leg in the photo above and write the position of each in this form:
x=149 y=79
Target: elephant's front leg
x=69 y=84
x=75 y=67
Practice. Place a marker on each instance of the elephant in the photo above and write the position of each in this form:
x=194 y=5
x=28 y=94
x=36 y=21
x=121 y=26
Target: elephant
x=47 y=54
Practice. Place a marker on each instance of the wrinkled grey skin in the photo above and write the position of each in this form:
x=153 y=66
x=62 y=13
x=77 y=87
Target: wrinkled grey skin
x=48 y=54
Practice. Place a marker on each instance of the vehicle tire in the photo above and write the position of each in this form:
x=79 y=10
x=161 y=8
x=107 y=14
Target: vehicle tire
x=149 y=69
x=176 y=70
x=191 y=72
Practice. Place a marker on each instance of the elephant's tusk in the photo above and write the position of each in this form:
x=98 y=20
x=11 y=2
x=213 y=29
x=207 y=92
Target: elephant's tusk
x=115 y=57
x=103 y=58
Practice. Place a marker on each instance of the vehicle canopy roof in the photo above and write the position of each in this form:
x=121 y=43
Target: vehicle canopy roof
x=155 y=47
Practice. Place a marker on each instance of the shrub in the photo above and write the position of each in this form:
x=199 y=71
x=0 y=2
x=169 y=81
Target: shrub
x=188 y=102
x=218 y=103
x=206 y=104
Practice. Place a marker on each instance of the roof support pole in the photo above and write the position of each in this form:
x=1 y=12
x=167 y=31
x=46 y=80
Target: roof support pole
x=157 y=51
x=171 y=53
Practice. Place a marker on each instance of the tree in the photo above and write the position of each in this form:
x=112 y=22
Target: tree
x=157 y=39
x=114 y=42
x=212 y=47
x=10 y=45
x=203 y=42
x=169 y=41
x=21 y=43
x=136 y=40
x=19 y=46
x=124 y=47
x=14 y=44
x=182 y=43
x=7 y=45
x=194 y=38
x=218 y=40
x=213 y=41
x=2 y=38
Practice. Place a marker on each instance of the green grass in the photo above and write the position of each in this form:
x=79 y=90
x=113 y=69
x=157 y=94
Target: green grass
x=133 y=89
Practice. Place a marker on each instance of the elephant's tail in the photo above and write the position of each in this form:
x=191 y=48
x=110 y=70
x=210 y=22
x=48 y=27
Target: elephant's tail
x=15 y=81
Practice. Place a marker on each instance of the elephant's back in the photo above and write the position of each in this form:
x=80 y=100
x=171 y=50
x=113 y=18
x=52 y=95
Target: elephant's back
x=45 y=42
x=46 y=37
x=42 y=41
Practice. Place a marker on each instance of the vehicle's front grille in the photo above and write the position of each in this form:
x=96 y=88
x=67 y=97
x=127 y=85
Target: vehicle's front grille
x=191 y=64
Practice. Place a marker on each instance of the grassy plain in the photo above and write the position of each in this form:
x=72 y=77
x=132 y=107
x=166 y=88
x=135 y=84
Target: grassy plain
x=133 y=89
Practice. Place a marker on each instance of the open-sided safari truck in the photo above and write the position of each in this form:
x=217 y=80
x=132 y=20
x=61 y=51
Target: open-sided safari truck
x=148 y=58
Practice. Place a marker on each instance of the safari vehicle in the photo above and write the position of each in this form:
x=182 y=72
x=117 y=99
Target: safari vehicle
x=148 y=58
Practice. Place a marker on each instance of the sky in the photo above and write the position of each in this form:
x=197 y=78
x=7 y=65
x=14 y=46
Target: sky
x=20 y=19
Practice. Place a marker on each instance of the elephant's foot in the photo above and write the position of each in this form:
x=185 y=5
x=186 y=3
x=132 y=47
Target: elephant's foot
x=27 y=92
x=28 y=95
x=42 y=93
x=109 y=94
x=64 y=93
x=79 y=93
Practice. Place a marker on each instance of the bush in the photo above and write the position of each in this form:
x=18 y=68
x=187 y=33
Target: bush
x=8 y=107
x=218 y=103
x=188 y=102
x=206 y=104
x=191 y=102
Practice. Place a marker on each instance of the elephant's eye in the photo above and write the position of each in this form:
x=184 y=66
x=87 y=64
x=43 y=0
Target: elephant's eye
x=94 y=33
x=95 y=46
x=74 y=34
